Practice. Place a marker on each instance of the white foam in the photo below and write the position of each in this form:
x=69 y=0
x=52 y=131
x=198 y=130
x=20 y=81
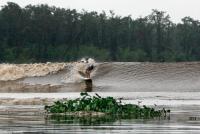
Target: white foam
x=17 y=71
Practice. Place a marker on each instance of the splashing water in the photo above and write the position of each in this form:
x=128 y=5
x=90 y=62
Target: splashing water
x=110 y=76
x=77 y=71
x=17 y=71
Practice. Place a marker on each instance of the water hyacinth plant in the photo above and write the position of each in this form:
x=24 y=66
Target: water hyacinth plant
x=100 y=105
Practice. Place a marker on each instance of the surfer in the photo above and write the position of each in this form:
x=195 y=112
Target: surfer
x=88 y=65
x=89 y=70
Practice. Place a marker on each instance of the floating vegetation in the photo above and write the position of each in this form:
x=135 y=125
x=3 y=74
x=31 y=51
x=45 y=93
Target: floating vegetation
x=96 y=105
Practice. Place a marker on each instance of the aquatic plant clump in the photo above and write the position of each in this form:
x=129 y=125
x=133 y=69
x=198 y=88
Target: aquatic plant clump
x=98 y=104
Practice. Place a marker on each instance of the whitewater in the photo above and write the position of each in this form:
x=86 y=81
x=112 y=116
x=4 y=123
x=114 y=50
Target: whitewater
x=26 y=88
x=107 y=76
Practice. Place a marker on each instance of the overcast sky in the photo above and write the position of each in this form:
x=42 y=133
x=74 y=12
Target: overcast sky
x=177 y=9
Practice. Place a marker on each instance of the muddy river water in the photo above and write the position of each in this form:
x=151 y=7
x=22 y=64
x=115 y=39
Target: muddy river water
x=25 y=89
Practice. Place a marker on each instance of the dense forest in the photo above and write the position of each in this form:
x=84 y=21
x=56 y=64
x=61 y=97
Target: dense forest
x=40 y=33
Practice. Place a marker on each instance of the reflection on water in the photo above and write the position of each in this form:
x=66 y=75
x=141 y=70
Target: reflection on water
x=96 y=120
x=183 y=119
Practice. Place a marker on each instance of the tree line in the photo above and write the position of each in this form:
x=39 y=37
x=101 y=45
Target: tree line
x=40 y=33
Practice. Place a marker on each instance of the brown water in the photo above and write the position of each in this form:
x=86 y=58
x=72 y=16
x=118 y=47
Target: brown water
x=183 y=119
x=112 y=77
x=26 y=88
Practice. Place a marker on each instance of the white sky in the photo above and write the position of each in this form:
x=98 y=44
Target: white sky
x=177 y=9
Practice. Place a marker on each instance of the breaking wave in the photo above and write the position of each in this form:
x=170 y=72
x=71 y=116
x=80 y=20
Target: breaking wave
x=107 y=76
x=17 y=71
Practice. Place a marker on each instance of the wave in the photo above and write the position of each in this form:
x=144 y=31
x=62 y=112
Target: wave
x=146 y=76
x=17 y=71
x=107 y=76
